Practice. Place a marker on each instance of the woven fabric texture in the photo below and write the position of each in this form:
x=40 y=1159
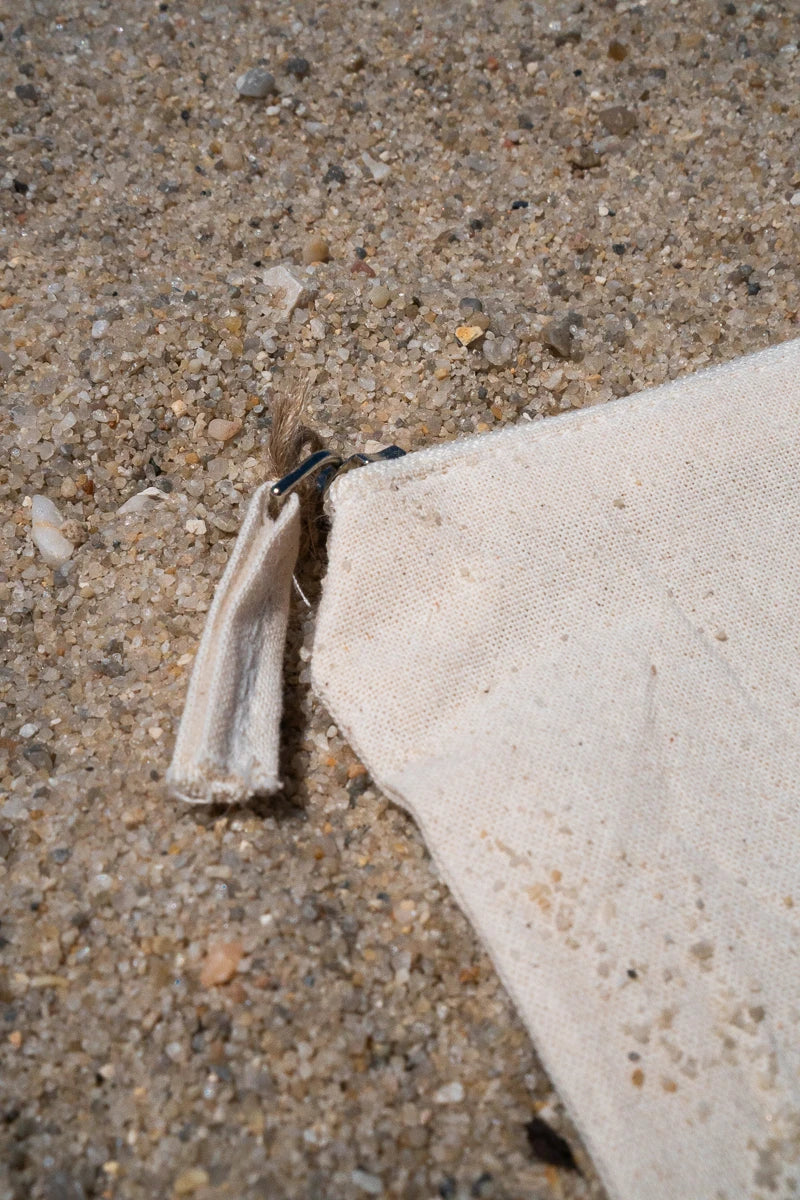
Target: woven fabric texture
x=572 y=651
x=228 y=743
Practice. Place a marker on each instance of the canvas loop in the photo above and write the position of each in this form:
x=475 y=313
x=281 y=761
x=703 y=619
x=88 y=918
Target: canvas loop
x=228 y=743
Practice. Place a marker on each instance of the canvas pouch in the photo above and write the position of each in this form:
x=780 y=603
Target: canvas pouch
x=571 y=650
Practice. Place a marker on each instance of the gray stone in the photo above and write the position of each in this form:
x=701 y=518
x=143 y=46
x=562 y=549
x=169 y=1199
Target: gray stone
x=559 y=336
x=256 y=83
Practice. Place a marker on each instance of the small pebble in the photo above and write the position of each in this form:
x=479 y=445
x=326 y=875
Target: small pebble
x=380 y=296
x=617 y=51
x=451 y=1093
x=221 y=962
x=559 y=336
x=585 y=159
x=286 y=291
x=499 y=351
x=740 y=274
x=468 y=334
x=232 y=157
x=795 y=200
x=26 y=91
x=99 y=328
x=28 y=730
x=470 y=304
x=367 y=1182
x=222 y=431
x=618 y=120
x=256 y=83
x=299 y=67
x=334 y=174
x=46 y=530
x=316 y=250
x=190 y=1181
x=378 y=170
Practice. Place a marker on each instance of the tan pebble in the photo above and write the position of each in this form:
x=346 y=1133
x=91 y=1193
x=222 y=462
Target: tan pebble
x=68 y=489
x=380 y=296
x=467 y=334
x=220 y=963
x=441 y=373
x=232 y=157
x=190 y=1181
x=223 y=431
x=316 y=250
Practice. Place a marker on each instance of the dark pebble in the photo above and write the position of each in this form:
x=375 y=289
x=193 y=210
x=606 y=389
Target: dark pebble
x=476 y=223
x=559 y=336
x=519 y=204
x=619 y=248
x=617 y=51
x=753 y=287
x=740 y=274
x=299 y=67
x=60 y=855
x=447 y=1188
x=356 y=787
x=26 y=91
x=549 y=1147
x=20 y=187
x=334 y=174
x=470 y=304
x=618 y=120
x=39 y=756
x=524 y=121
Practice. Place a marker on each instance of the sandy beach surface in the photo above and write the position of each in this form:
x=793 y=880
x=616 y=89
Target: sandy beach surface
x=442 y=219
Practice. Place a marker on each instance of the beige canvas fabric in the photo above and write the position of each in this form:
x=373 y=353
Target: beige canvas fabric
x=228 y=743
x=572 y=651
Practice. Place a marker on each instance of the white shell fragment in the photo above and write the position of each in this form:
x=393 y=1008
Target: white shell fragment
x=46 y=527
x=144 y=501
x=285 y=291
x=378 y=170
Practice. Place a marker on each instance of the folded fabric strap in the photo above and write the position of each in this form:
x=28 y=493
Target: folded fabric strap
x=228 y=744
